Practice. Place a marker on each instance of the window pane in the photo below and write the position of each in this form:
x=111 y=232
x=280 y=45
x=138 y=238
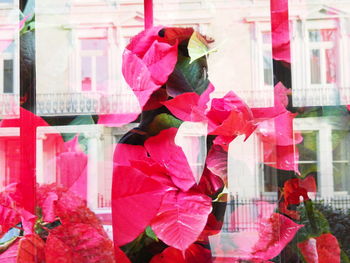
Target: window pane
x=340 y=143
x=266 y=37
x=308 y=147
x=314 y=35
x=331 y=65
x=328 y=34
x=86 y=76
x=102 y=73
x=315 y=67
x=341 y=176
x=8 y=76
x=268 y=68
x=94 y=44
x=270 y=179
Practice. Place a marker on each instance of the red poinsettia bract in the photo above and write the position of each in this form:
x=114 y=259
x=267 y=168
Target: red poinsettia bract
x=322 y=249
x=147 y=62
x=264 y=240
x=275 y=129
x=194 y=254
x=158 y=190
x=296 y=188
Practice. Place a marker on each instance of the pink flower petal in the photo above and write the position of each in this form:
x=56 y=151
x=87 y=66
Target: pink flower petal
x=280 y=30
x=230 y=116
x=274 y=235
x=120 y=256
x=281 y=157
x=217 y=161
x=136 y=200
x=181 y=218
x=160 y=60
x=309 y=250
x=29 y=249
x=224 y=141
x=182 y=105
x=279 y=130
x=8 y=219
x=194 y=254
x=124 y=153
x=57 y=251
x=156 y=172
x=48 y=207
x=138 y=76
x=280 y=104
x=210 y=183
x=162 y=149
x=85 y=242
x=28 y=220
x=117 y=120
x=140 y=43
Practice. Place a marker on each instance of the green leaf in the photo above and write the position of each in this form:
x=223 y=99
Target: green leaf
x=343 y=257
x=188 y=77
x=161 y=122
x=198 y=47
x=315 y=223
x=149 y=232
x=334 y=111
x=80 y=120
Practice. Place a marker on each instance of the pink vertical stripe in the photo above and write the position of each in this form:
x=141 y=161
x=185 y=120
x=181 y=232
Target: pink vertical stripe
x=148 y=10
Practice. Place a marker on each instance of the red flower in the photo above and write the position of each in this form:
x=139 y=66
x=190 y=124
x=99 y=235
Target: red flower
x=29 y=249
x=322 y=249
x=230 y=116
x=190 y=106
x=296 y=188
x=81 y=243
x=194 y=254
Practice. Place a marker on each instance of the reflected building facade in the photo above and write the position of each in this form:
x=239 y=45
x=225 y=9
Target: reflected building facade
x=79 y=47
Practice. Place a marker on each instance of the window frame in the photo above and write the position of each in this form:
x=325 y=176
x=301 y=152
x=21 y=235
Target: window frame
x=104 y=31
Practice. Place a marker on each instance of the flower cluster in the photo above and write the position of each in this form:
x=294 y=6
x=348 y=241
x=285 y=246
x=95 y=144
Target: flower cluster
x=156 y=195
x=63 y=229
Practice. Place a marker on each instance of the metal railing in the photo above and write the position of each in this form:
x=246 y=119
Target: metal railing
x=80 y=103
x=9 y=105
x=242 y=213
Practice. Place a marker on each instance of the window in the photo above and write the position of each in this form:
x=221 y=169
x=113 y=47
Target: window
x=323 y=154
x=6 y=2
x=340 y=144
x=308 y=157
x=94 y=64
x=7 y=69
x=322 y=52
x=267 y=58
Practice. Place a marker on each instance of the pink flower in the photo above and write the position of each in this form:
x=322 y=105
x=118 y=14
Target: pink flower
x=268 y=234
x=154 y=189
x=147 y=62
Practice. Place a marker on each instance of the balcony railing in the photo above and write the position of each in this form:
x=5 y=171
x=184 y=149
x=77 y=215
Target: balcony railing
x=321 y=95
x=9 y=106
x=52 y=104
x=245 y=218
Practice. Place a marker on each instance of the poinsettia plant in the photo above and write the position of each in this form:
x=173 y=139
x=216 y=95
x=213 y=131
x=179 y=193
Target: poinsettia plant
x=161 y=209
x=63 y=229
